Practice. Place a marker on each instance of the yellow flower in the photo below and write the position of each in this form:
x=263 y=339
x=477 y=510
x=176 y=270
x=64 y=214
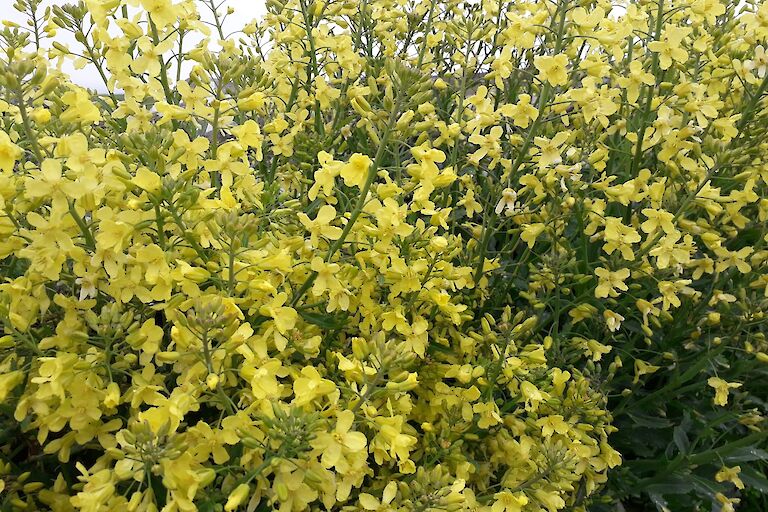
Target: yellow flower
x=533 y=395
x=620 y=237
x=595 y=349
x=9 y=152
x=635 y=79
x=370 y=502
x=502 y=67
x=508 y=502
x=112 y=396
x=728 y=504
x=727 y=474
x=355 y=171
x=238 y=496
x=340 y=444
x=669 y=46
x=50 y=183
x=326 y=280
x=582 y=312
x=311 y=386
x=263 y=378
x=325 y=93
x=721 y=388
x=147 y=180
x=531 y=232
x=669 y=251
x=551 y=424
x=166 y=334
x=254 y=101
x=8 y=381
x=392 y=443
x=507 y=201
x=321 y=225
x=285 y=317
x=758 y=63
x=80 y=109
x=470 y=204
x=727 y=259
x=550 y=149
x=552 y=69
x=163 y=12
x=587 y=21
x=669 y=291
x=249 y=135
x=610 y=281
x=658 y=219
x=325 y=177
x=643 y=368
x=612 y=320
x=521 y=113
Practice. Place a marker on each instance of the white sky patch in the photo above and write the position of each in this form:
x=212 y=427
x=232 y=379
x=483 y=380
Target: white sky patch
x=245 y=11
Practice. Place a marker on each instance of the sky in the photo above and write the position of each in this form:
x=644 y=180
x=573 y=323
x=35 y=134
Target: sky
x=245 y=11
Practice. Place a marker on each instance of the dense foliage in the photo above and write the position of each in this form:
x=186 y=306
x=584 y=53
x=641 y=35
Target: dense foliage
x=493 y=256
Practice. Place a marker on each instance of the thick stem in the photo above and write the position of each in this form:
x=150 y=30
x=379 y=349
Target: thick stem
x=28 y=127
x=163 y=66
x=648 y=98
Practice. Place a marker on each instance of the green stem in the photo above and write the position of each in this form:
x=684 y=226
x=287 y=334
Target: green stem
x=160 y=226
x=216 y=19
x=186 y=234
x=28 y=127
x=90 y=243
x=163 y=66
x=98 y=67
x=648 y=97
x=312 y=68
x=231 y=267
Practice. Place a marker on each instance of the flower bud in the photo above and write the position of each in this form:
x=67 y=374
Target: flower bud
x=237 y=497
x=112 y=397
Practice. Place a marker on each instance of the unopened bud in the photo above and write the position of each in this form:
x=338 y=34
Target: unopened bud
x=237 y=497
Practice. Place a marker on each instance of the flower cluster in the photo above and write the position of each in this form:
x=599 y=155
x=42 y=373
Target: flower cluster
x=379 y=255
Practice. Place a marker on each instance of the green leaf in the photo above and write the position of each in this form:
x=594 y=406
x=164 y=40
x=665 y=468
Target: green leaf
x=661 y=503
x=753 y=479
x=746 y=454
x=681 y=440
x=206 y=506
x=324 y=320
x=706 y=486
x=673 y=486
x=646 y=420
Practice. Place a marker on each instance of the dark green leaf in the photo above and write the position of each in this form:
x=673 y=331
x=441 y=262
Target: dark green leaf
x=324 y=320
x=672 y=485
x=746 y=455
x=681 y=440
x=646 y=420
x=753 y=479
